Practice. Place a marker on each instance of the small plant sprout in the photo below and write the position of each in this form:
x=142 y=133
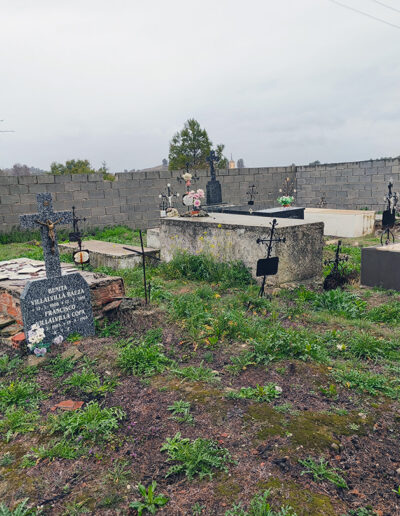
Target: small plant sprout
x=397 y=491
x=151 y=502
x=259 y=393
x=181 y=411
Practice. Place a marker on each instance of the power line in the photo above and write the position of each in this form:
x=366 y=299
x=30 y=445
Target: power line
x=386 y=5
x=364 y=14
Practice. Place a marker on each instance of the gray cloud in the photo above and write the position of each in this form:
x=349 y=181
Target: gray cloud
x=277 y=82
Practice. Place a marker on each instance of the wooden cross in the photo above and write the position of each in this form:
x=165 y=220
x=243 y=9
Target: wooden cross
x=47 y=220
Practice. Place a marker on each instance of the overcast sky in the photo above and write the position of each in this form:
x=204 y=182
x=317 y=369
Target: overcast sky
x=276 y=81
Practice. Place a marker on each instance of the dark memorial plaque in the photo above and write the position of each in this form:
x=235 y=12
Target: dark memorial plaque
x=267 y=266
x=60 y=306
x=213 y=187
x=388 y=218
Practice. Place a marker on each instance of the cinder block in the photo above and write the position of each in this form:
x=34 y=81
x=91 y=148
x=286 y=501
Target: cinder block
x=45 y=179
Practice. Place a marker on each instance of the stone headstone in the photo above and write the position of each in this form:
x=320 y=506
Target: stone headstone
x=59 y=304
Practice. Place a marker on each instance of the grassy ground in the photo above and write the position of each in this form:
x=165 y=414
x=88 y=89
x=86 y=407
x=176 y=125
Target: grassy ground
x=232 y=404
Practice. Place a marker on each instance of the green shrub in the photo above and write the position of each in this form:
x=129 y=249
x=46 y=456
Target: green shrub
x=198 y=457
x=91 y=423
x=181 y=411
x=340 y=302
x=58 y=450
x=151 y=502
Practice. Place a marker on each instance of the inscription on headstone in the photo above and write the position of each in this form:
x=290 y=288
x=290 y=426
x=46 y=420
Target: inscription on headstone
x=59 y=304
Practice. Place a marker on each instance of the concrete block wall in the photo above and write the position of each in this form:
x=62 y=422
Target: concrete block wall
x=132 y=198
x=361 y=184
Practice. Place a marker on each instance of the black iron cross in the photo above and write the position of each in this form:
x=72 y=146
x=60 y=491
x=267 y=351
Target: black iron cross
x=76 y=235
x=47 y=220
x=251 y=192
x=211 y=158
x=268 y=266
x=336 y=276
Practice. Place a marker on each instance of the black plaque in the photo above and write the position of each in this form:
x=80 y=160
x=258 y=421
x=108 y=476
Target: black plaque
x=388 y=218
x=267 y=266
x=59 y=305
x=214 y=194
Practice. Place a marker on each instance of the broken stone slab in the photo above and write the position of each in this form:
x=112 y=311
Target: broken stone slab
x=34 y=361
x=110 y=254
x=67 y=405
x=5 y=321
x=11 y=330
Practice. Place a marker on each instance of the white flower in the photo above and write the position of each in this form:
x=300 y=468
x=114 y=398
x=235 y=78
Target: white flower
x=58 y=340
x=35 y=326
x=278 y=389
x=187 y=176
x=341 y=347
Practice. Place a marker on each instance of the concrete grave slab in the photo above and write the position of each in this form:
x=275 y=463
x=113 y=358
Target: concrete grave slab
x=110 y=254
x=233 y=237
x=380 y=266
x=342 y=223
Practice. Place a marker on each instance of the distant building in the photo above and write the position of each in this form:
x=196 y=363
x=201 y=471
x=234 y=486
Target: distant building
x=232 y=163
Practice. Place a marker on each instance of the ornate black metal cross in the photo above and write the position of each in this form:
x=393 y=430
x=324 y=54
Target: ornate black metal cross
x=211 y=159
x=251 y=192
x=389 y=215
x=268 y=266
x=81 y=257
x=336 y=276
x=47 y=220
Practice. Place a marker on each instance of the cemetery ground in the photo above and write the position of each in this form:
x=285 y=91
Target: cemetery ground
x=231 y=403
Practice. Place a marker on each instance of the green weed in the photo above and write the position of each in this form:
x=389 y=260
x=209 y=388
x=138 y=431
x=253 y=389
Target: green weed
x=20 y=510
x=144 y=358
x=151 y=502
x=92 y=423
x=321 y=471
x=20 y=393
x=58 y=450
x=108 y=329
x=367 y=382
x=387 y=313
x=59 y=366
x=196 y=374
x=181 y=411
x=204 y=267
x=259 y=506
x=8 y=364
x=89 y=382
x=6 y=459
x=259 y=393
x=17 y=421
x=198 y=457
x=340 y=302
x=120 y=472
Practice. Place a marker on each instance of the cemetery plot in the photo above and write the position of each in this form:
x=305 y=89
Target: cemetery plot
x=216 y=399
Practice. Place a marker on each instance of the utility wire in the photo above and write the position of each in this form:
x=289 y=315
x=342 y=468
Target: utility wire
x=364 y=14
x=386 y=5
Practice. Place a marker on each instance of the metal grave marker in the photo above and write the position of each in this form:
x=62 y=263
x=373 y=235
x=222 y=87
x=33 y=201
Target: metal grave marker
x=336 y=277
x=82 y=256
x=389 y=215
x=268 y=266
x=59 y=304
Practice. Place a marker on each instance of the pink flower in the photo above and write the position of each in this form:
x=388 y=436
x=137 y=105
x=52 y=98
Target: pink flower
x=200 y=193
x=196 y=203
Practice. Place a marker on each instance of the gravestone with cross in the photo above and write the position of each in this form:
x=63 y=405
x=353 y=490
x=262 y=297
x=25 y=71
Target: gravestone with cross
x=60 y=304
x=213 y=187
